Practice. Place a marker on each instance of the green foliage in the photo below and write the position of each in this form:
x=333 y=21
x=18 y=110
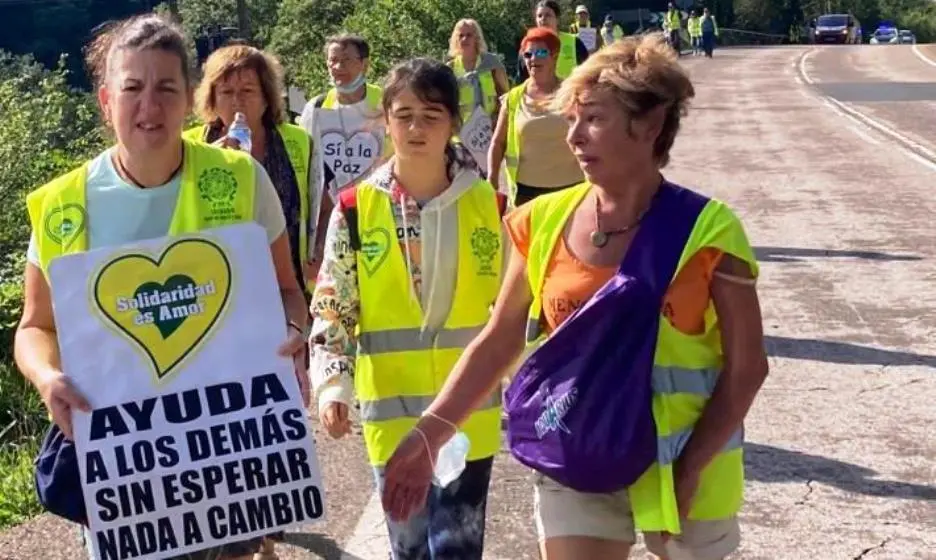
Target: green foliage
x=48 y=128
x=426 y=26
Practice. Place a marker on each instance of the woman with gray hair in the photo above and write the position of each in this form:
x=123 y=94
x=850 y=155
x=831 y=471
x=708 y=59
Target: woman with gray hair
x=482 y=78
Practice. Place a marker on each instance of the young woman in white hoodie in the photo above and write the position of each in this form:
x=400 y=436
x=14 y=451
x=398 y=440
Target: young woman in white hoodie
x=412 y=265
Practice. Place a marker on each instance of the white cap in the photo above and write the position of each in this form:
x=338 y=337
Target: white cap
x=581 y=9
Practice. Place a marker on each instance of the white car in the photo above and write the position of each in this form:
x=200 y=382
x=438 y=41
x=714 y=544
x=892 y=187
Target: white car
x=906 y=37
x=885 y=36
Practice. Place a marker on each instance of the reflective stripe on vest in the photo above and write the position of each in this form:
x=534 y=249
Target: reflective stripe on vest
x=399 y=368
x=408 y=340
x=681 y=387
x=568 y=58
x=195 y=209
x=411 y=407
x=468 y=94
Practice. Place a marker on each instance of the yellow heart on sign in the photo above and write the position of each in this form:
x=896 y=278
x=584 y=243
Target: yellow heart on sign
x=166 y=307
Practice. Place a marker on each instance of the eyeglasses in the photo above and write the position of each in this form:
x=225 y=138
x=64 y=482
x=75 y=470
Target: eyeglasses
x=536 y=53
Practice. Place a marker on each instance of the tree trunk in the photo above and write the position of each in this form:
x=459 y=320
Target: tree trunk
x=243 y=20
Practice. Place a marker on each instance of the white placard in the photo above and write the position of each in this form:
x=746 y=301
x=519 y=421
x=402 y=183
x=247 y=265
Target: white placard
x=476 y=135
x=198 y=436
x=589 y=36
x=349 y=144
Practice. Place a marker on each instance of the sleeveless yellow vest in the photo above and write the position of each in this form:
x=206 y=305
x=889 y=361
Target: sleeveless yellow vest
x=567 y=59
x=512 y=153
x=685 y=368
x=399 y=368
x=298 y=147
x=217 y=190
x=466 y=93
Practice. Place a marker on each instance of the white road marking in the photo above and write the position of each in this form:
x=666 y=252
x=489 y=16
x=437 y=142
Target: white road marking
x=369 y=540
x=916 y=151
x=802 y=66
x=916 y=50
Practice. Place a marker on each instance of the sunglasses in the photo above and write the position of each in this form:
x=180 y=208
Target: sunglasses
x=536 y=53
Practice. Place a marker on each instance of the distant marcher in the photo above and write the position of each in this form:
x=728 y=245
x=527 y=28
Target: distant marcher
x=482 y=78
x=709 y=32
x=610 y=31
x=530 y=137
x=572 y=51
x=582 y=28
x=347 y=57
x=672 y=21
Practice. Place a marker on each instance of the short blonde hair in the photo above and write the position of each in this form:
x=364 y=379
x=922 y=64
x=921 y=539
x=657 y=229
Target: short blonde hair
x=226 y=61
x=641 y=73
x=455 y=47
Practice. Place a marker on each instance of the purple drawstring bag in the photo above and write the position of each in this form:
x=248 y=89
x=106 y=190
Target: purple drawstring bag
x=579 y=408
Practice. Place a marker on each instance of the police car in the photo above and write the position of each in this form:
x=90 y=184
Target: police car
x=885 y=34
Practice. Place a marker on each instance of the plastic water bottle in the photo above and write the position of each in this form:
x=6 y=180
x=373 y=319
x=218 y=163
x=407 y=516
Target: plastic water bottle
x=240 y=131
x=451 y=460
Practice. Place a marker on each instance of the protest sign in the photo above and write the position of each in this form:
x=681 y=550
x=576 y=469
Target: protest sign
x=349 y=145
x=198 y=436
x=589 y=37
x=476 y=135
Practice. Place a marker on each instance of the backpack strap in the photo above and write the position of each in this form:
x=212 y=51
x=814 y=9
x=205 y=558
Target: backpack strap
x=347 y=199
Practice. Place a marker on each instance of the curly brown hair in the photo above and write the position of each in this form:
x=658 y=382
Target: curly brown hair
x=234 y=58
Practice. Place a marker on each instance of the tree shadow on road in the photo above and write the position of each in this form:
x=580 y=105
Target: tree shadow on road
x=799 y=254
x=765 y=463
x=842 y=352
x=325 y=547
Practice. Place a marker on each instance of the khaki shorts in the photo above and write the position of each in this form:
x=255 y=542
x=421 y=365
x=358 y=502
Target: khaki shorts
x=563 y=512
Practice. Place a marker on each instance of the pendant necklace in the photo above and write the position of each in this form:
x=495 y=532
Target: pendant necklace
x=600 y=237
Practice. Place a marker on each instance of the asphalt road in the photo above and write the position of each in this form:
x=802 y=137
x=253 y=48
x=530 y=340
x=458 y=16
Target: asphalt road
x=827 y=154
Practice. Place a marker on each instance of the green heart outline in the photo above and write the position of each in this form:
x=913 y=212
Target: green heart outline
x=369 y=265
x=53 y=235
x=166 y=329
x=209 y=330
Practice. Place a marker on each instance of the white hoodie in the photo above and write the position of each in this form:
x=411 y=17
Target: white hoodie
x=428 y=233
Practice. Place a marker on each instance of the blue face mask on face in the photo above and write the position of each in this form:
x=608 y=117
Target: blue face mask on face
x=352 y=86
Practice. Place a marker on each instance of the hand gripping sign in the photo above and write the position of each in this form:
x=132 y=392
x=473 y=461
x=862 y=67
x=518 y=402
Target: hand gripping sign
x=198 y=436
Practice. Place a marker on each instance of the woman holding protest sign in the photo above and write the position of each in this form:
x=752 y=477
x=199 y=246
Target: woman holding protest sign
x=637 y=298
x=482 y=78
x=530 y=135
x=240 y=79
x=413 y=262
x=148 y=185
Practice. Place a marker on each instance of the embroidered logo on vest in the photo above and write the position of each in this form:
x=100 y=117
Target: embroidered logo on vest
x=484 y=246
x=63 y=224
x=218 y=187
x=375 y=246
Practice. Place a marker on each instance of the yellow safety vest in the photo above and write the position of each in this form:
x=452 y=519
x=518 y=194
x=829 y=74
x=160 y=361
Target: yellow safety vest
x=298 y=147
x=466 y=92
x=567 y=57
x=400 y=369
x=512 y=153
x=685 y=368
x=694 y=25
x=218 y=189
